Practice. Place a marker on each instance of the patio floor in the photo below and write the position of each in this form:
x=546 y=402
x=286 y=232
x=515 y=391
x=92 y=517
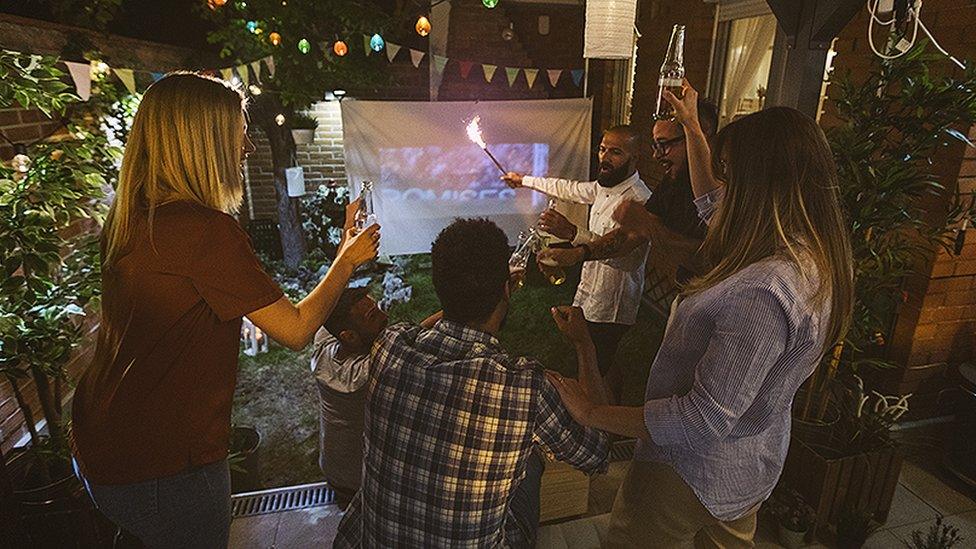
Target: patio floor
x=924 y=492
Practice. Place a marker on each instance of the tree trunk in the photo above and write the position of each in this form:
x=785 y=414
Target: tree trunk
x=51 y=409
x=289 y=222
x=25 y=410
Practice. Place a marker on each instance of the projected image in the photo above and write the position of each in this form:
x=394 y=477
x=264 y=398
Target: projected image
x=436 y=181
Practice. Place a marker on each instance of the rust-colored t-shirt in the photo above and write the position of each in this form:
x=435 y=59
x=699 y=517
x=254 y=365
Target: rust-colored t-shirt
x=162 y=403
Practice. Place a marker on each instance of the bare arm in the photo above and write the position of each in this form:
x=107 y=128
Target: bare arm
x=571 y=323
x=703 y=180
x=294 y=325
x=432 y=319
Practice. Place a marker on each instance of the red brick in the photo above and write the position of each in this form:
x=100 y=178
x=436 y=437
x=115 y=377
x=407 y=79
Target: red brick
x=943 y=268
x=966 y=267
x=960 y=283
x=960 y=298
x=23 y=134
x=925 y=331
x=933 y=300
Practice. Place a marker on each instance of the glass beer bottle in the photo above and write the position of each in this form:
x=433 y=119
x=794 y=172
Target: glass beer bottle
x=366 y=215
x=672 y=74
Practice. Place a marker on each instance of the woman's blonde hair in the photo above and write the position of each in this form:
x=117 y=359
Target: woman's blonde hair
x=781 y=199
x=185 y=144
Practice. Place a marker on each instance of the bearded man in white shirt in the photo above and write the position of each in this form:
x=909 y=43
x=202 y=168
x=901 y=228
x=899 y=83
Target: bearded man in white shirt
x=610 y=289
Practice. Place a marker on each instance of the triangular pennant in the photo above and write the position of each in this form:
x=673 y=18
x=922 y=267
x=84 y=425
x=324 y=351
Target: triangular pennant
x=416 y=56
x=392 y=50
x=530 y=76
x=242 y=72
x=256 y=67
x=81 y=75
x=227 y=74
x=489 y=71
x=157 y=75
x=554 y=75
x=127 y=78
x=269 y=61
x=369 y=50
x=465 y=67
x=577 y=76
x=439 y=64
x=512 y=74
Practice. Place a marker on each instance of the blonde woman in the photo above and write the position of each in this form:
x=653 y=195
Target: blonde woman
x=151 y=415
x=715 y=425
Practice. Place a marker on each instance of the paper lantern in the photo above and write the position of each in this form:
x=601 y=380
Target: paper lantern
x=340 y=48
x=609 y=31
x=275 y=38
x=423 y=26
x=376 y=42
x=489 y=3
x=295 y=180
x=304 y=46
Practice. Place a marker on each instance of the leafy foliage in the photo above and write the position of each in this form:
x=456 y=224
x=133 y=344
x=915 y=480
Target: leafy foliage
x=323 y=213
x=792 y=511
x=941 y=535
x=31 y=81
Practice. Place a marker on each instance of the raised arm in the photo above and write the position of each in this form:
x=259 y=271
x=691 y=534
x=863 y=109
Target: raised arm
x=580 y=192
x=703 y=181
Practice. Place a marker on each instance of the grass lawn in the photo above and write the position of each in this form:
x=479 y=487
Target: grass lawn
x=276 y=393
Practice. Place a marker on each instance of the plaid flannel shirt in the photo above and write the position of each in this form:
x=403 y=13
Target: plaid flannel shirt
x=450 y=423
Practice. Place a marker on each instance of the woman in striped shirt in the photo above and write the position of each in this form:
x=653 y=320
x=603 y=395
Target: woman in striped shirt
x=715 y=426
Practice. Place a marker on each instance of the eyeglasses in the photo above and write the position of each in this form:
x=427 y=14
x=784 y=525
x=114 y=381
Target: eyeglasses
x=665 y=145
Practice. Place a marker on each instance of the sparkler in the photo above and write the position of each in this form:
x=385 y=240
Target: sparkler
x=474 y=134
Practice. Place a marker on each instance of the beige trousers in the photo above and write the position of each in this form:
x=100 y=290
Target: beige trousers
x=656 y=508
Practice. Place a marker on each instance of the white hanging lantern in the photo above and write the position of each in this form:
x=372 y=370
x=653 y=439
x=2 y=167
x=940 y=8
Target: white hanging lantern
x=295 y=177
x=609 y=32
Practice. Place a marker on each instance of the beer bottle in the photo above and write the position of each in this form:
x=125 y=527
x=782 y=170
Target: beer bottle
x=672 y=74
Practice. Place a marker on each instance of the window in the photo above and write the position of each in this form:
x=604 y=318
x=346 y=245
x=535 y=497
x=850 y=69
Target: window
x=742 y=52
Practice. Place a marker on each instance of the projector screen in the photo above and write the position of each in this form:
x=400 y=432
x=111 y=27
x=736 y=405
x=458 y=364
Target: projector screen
x=426 y=172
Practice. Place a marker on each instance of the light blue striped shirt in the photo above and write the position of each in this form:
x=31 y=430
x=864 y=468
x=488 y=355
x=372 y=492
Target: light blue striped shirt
x=720 y=391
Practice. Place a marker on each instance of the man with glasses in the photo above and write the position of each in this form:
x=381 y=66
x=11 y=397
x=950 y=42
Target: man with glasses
x=610 y=289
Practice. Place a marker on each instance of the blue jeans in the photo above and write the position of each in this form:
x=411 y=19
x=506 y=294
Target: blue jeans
x=190 y=509
x=524 y=504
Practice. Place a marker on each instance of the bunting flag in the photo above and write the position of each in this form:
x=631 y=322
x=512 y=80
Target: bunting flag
x=81 y=75
x=369 y=50
x=127 y=78
x=489 y=71
x=512 y=73
x=554 y=75
x=465 y=67
x=439 y=64
x=256 y=67
x=227 y=74
x=416 y=56
x=269 y=61
x=392 y=50
x=577 y=76
x=242 y=73
x=530 y=76
x=157 y=75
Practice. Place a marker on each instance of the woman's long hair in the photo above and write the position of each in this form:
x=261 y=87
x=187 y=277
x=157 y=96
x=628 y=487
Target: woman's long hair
x=781 y=199
x=186 y=144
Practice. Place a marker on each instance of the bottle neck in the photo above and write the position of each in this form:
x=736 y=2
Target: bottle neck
x=676 y=48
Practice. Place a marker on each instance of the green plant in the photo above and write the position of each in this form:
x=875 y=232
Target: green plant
x=323 y=213
x=304 y=121
x=793 y=512
x=48 y=250
x=854 y=527
x=866 y=419
x=893 y=124
x=940 y=536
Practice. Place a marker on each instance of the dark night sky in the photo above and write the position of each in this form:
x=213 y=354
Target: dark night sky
x=168 y=21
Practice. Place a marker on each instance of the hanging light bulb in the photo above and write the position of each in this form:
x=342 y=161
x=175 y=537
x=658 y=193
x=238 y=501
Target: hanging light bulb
x=489 y=3
x=99 y=68
x=280 y=119
x=509 y=33
x=304 y=46
x=252 y=26
x=423 y=26
x=21 y=162
x=340 y=48
x=254 y=89
x=214 y=4
x=376 y=42
x=275 y=38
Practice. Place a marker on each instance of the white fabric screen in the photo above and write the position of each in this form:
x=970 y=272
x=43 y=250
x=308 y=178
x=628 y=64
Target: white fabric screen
x=425 y=171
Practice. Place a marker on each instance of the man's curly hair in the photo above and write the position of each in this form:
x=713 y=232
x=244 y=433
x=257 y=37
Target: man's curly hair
x=470 y=268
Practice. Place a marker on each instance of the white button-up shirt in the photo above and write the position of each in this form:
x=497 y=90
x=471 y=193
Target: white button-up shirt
x=609 y=289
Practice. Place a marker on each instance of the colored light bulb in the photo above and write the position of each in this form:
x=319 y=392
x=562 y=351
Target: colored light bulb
x=340 y=48
x=489 y=3
x=423 y=26
x=376 y=42
x=275 y=38
x=304 y=46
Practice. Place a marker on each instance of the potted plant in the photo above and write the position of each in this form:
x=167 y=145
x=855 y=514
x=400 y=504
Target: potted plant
x=939 y=536
x=245 y=470
x=854 y=527
x=795 y=518
x=49 y=212
x=890 y=126
x=303 y=128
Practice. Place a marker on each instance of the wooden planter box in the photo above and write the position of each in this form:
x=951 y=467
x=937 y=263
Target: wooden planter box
x=830 y=485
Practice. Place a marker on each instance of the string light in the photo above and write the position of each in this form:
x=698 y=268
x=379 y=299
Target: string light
x=304 y=46
x=423 y=26
x=489 y=3
x=252 y=26
x=376 y=42
x=340 y=48
x=280 y=119
x=214 y=4
x=275 y=38
x=21 y=163
x=254 y=89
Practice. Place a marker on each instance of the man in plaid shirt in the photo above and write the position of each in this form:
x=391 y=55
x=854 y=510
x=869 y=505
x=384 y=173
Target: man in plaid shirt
x=453 y=421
